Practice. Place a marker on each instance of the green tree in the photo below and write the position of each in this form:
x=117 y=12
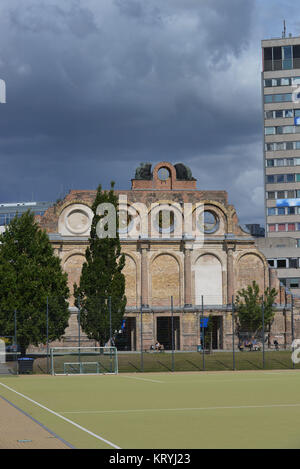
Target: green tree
x=248 y=306
x=101 y=292
x=29 y=273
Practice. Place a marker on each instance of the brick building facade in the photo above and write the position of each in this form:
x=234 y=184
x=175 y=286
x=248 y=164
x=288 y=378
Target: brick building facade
x=205 y=259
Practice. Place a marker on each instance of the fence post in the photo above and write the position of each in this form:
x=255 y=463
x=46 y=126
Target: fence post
x=15 y=326
x=292 y=325
x=285 y=322
x=110 y=332
x=109 y=307
x=78 y=319
x=142 y=357
x=202 y=333
x=263 y=329
x=233 y=331
x=172 y=323
x=47 y=333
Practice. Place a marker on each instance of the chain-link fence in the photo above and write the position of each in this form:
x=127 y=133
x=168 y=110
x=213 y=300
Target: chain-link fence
x=170 y=336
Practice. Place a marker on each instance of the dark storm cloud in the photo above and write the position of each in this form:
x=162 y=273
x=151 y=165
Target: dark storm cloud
x=96 y=86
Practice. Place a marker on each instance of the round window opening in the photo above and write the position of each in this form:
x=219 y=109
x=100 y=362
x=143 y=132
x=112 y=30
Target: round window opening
x=77 y=221
x=165 y=221
x=208 y=222
x=163 y=174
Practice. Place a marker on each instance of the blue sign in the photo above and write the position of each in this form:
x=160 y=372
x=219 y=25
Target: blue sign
x=123 y=324
x=204 y=322
x=288 y=203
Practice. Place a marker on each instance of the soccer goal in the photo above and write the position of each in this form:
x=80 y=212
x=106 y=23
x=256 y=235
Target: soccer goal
x=83 y=360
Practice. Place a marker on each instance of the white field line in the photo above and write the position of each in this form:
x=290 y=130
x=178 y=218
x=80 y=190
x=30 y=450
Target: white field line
x=180 y=409
x=142 y=379
x=212 y=375
x=62 y=417
x=246 y=380
x=295 y=373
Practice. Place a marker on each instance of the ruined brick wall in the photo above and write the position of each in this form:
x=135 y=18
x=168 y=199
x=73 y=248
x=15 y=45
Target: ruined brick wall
x=171 y=268
x=249 y=268
x=131 y=275
x=73 y=266
x=165 y=280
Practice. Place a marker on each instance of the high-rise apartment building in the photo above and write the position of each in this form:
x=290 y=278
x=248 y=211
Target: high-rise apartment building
x=281 y=105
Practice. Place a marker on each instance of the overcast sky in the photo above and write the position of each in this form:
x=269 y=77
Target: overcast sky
x=94 y=87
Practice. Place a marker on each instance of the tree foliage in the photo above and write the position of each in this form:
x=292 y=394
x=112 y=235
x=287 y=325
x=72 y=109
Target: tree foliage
x=102 y=283
x=248 y=305
x=29 y=273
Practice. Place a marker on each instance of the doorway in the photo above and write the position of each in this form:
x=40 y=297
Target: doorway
x=126 y=340
x=213 y=333
x=164 y=332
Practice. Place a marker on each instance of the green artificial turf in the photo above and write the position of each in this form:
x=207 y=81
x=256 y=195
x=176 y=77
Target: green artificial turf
x=165 y=410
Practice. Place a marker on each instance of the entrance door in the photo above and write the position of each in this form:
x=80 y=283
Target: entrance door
x=216 y=332
x=213 y=333
x=164 y=332
x=127 y=339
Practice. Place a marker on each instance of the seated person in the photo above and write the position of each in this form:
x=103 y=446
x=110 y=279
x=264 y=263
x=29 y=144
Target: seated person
x=255 y=345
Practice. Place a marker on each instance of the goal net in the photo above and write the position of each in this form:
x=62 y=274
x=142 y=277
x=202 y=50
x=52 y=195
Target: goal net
x=83 y=360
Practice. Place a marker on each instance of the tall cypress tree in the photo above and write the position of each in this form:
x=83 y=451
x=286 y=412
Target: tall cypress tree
x=29 y=274
x=101 y=292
